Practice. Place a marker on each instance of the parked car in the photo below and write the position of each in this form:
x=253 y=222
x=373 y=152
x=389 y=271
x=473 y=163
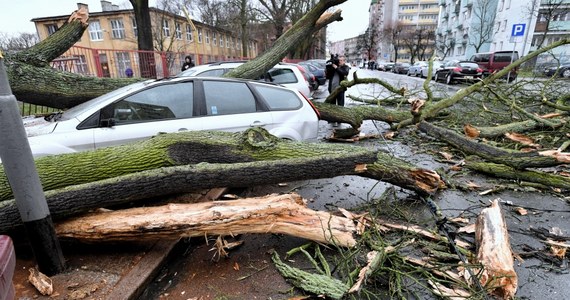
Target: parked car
x=416 y=68
x=320 y=63
x=388 y=67
x=456 y=70
x=492 y=62
x=144 y=109
x=563 y=70
x=309 y=76
x=316 y=70
x=286 y=74
x=7 y=267
x=435 y=65
x=401 y=68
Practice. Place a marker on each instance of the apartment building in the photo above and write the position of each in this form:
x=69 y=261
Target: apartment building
x=405 y=26
x=108 y=48
x=552 y=25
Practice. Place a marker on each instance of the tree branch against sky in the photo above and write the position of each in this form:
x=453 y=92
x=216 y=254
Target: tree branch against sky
x=483 y=23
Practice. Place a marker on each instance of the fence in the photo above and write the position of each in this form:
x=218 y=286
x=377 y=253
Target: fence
x=127 y=63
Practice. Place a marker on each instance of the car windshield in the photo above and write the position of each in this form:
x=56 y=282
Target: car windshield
x=79 y=109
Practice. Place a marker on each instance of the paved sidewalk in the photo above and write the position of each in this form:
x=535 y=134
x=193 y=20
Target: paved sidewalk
x=102 y=271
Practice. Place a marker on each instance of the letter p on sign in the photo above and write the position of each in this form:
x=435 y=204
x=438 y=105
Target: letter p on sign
x=518 y=29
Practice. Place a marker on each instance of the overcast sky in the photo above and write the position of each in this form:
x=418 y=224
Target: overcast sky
x=15 y=17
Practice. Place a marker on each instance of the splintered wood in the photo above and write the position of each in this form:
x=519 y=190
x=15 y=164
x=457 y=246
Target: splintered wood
x=494 y=252
x=281 y=214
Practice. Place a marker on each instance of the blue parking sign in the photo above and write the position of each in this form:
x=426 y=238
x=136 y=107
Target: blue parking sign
x=518 y=29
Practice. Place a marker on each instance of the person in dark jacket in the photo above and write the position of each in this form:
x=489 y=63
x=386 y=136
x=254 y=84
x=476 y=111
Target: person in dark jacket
x=340 y=72
x=187 y=63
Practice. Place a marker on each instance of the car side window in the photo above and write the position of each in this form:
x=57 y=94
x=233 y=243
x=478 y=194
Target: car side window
x=282 y=76
x=225 y=98
x=279 y=99
x=170 y=101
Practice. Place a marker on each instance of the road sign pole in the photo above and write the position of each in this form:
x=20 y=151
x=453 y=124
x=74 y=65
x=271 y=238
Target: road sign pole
x=24 y=180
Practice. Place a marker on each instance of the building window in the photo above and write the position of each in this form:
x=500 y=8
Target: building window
x=221 y=40
x=165 y=27
x=504 y=25
x=135 y=31
x=214 y=40
x=178 y=32
x=117 y=28
x=95 y=31
x=207 y=36
x=123 y=60
x=51 y=28
x=227 y=41
x=189 y=32
x=81 y=65
x=199 y=35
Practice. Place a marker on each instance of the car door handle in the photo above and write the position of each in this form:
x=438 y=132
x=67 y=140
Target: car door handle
x=257 y=124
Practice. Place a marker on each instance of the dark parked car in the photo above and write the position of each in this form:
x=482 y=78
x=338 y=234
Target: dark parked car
x=563 y=70
x=401 y=68
x=456 y=70
x=316 y=70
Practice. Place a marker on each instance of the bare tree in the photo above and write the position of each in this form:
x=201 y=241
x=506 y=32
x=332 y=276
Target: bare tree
x=483 y=21
x=17 y=42
x=392 y=33
x=368 y=42
x=144 y=37
x=276 y=12
x=298 y=10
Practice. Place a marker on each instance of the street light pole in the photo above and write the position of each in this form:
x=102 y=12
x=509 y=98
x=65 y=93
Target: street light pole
x=24 y=180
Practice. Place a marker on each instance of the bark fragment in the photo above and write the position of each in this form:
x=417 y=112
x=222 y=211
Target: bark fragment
x=494 y=252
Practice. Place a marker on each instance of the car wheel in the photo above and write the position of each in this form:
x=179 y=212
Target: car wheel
x=448 y=79
x=566 y=73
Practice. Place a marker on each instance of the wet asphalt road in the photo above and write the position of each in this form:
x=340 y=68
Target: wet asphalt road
x=193 y=275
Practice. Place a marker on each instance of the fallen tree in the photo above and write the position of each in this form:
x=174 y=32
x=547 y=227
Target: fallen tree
x=182 y=162
x=34 y=81
x=278 y=214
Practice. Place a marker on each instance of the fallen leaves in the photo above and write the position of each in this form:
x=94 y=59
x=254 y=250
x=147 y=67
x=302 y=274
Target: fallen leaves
x=522 y=139
x=470 y=131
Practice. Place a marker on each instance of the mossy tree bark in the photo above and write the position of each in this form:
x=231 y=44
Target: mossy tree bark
x=190 y=161
x=33 y=80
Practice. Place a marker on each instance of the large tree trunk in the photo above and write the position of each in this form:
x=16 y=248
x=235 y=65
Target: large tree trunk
x=312 y=22
x=279 y=214
x=184 y=162
x=33 y=80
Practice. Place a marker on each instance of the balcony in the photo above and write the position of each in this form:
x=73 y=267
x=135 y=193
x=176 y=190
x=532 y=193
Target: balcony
x=559 y=26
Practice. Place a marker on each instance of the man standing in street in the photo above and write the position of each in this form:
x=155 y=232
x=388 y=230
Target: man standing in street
x=340 y=71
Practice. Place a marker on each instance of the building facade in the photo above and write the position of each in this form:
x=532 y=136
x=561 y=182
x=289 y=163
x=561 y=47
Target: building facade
x=108 y=48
